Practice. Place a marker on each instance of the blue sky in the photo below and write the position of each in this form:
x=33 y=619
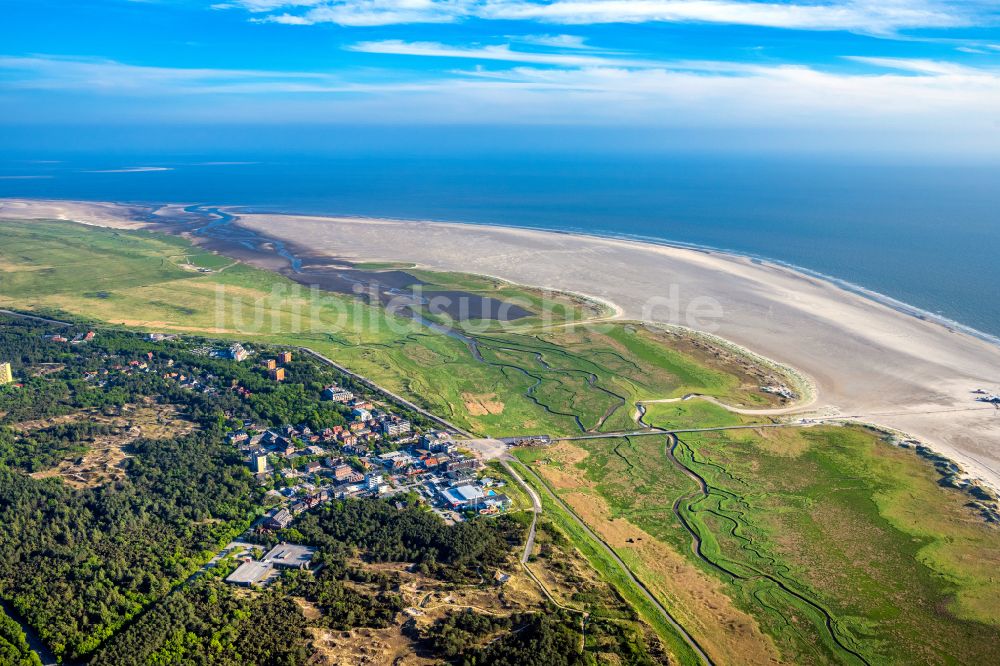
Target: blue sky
x=919 y=76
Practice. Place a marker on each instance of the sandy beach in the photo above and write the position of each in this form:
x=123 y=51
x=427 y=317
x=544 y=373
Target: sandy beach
x=866 y=360
x=97 y=213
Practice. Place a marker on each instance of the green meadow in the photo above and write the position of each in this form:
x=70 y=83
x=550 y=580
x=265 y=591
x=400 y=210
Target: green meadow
x=541 y=375
x=843 y=547
x=611 y=571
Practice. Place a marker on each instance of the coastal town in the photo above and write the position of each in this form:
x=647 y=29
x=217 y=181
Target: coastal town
x=375 y=453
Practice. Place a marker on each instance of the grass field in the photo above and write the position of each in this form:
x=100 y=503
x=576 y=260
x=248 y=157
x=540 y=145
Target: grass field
x=611 y=572
x=841 y=547
x=547 y=307
x=557 y=378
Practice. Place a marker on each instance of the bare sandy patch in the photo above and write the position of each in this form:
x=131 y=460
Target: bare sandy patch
x=864 y=357
x=374 y=647
x=427 y=600
x=309 y=609
x=15 y=267
x=102 y=462
x=96 y=213
x=483 y=404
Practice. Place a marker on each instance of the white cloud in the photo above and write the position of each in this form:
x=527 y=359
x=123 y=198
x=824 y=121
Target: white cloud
x=267 y=5
x=284 y=19
x=919 y=66
x=555 y=41
x=602 y=92
x=879 y=16
x=920 y=105
x=97 y=75
x=500 y=52
x=868 y=16
x=361 y=12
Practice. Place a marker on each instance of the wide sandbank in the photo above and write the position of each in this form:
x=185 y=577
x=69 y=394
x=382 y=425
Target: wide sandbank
x=866 y=360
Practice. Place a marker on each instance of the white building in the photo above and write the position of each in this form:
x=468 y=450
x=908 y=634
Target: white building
x=395 y=428
x=337 y=394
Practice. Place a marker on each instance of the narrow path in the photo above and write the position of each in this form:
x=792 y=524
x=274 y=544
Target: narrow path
x=536 y=509
x=671 y=620
x=529 y=546
x=663 y=431
x=746 y=411
x=22 y=315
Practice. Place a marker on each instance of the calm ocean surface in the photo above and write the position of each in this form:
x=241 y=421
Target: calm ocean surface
x=929 y=237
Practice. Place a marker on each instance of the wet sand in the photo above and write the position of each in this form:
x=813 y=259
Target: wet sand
x=866 y=360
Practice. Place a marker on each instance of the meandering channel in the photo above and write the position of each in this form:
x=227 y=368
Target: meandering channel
x=687 y=504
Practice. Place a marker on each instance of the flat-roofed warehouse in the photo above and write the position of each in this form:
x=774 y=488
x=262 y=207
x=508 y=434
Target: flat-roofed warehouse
x=464 y=496
x=290 y=556
x=250 y=573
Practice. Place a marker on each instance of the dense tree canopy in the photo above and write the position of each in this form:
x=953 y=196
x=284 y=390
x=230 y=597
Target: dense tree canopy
x=208 y=623
x=385 y=533
x=105 y=573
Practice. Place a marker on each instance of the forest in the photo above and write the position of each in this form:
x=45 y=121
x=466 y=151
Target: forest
x=14 y=648
x=111 y=573
x=208 y=623
x=77 y=564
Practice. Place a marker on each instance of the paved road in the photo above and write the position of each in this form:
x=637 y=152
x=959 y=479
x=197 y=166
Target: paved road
x=536 y=501
x=364 y=380
x=747 y=411
x=692 y=643
x=529 y=546
x=35 y=318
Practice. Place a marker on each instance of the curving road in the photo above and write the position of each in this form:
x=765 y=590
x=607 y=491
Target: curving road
x=746 y=411
x=536 y=508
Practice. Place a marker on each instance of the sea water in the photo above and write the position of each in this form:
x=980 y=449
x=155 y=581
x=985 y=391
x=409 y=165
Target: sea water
x=925 y=236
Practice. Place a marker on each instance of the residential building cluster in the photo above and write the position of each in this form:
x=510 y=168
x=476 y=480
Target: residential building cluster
x=274 y=366
x=76 y=340
x=376 y=453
